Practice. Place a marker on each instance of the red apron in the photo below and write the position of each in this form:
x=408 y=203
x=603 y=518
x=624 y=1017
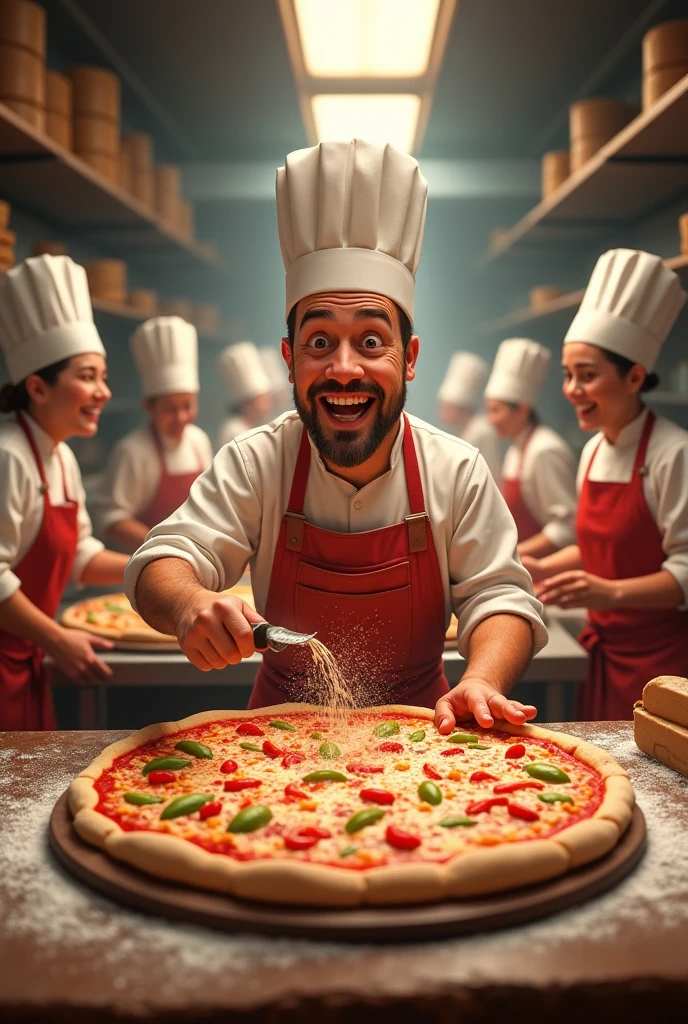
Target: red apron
x=619 y=539
x=25 y=698
x=526 y=523
x=375 y=598
x=173 y=489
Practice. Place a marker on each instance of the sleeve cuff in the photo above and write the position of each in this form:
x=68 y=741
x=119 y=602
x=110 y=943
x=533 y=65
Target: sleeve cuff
x=511 y=602
x=680 y=573
x=9 y=584
x=140 y=560
x=559 y=534
x=85 y=551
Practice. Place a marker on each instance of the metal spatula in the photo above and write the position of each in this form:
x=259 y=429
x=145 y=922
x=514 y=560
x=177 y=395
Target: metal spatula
x=277 y=637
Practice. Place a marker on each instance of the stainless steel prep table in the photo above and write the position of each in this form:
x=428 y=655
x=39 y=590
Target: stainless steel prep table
x=562 y=661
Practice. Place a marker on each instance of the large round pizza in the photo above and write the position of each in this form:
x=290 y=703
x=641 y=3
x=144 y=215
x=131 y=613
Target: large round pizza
x=290 y=804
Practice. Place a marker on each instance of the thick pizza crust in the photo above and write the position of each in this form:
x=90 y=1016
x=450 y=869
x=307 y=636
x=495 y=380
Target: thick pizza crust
x=480 y=872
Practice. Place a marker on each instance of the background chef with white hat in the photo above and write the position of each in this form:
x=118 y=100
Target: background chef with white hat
x=460 y=395
x=359 y=522
x=278 y=375
x=539 y=470
x=150 y=470
x=629 y=567
x=249 y=388
x=56 y=364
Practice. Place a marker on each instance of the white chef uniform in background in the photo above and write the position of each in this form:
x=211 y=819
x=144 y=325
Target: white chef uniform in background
x=278 y=375
x=249 y=388
x=460 y=395
x=538 y=473
x=165 y=351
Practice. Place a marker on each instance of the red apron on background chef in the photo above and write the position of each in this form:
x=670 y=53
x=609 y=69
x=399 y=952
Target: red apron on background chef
x=539 y=471
x=357 y=521
x=56 y=362
x=459 y=398
x=630 y=564
x=150 y=471
x=249 y=387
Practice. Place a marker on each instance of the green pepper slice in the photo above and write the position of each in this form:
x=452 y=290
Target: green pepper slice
x=91 y=618
x=325 y=775
x=165 y=764
x=329 y=750
x=348 y=851
x=546 y=772
x=141 y=799
x=416 y=737
x=361 y=819
x=111 y=607
x=195 y=749
x=249 y=746
x=555 y=798
x=284 y=726
x=462 y=737
x=186 y=804
x=316 y=735
x=459 y=821
x=250 y=819
x=430 y=792
x=479 y=746
x=386 y=729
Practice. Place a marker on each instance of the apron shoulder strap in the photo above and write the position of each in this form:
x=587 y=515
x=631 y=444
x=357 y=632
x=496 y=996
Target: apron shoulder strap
x=639 y=467
x=417 y=522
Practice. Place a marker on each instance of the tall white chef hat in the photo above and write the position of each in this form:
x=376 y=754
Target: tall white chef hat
x=165 y=350
x=519 y=371
x=629 y=307
x=45 y=315
x=243 y=370
x=351 y=218
x=275 y=368
x=464 y=380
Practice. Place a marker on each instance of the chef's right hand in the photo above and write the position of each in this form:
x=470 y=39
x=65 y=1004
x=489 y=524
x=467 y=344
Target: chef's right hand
x=73 y=651
x=214 y=630
x=534 y=567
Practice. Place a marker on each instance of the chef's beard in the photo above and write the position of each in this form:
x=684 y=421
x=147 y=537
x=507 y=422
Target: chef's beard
x=347 y=448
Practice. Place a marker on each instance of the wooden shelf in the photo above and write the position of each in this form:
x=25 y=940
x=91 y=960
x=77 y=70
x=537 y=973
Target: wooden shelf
x=48 y=181
x=551 y=311
x=104 y=311
x=640 y=169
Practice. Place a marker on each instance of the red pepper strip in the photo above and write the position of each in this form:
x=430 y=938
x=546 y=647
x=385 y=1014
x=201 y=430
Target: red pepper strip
x=209 y=810
x=300 y=842
x=249 y=729
x=525 y=813
x=293 y=790
x=365 y=769
x=377 y=796
x=156 y=777
x=391 y=748
x=430 y=772
x=511 y=787
x=480 y=806
x=228 y=767
x=271 y=750
x=518 y=750
x=452 y=751
x=236 y=785
x=313 y=830
x=294 y=758
x=483 y=777
x=401 y=840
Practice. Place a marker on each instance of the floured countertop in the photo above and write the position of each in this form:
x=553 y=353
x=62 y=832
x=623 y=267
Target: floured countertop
x=64 y=949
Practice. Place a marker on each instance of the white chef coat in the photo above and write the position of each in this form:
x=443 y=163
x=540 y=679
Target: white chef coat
x=548 y=481
x=21 y=501
x=665 y=487
x=231 y=428
x=234 y=512
x=133 y=471
x=482 y=435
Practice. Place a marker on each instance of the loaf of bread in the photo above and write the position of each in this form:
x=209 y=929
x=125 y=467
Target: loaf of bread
x=661 y=739
x=667 y=696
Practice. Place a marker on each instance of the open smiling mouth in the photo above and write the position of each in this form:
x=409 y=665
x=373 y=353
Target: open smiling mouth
x=346 y=408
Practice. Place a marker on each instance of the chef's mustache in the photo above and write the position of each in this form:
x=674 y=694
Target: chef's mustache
x=353 y=388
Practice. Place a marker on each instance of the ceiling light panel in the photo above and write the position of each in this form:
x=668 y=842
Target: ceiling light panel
x=366 y=38
x=388 y=117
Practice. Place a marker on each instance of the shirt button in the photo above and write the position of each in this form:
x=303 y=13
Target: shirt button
x=358 y=504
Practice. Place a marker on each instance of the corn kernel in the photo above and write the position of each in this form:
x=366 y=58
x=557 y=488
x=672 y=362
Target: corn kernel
x=455 y=775
x=402 y=766
x=308 y=805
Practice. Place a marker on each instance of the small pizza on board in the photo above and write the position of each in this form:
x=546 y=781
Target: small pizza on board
x=291 y=805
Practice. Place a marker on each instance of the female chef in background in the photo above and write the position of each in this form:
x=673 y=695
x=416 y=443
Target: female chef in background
x=249 y=388
x=629 y=567
x=539 y=470
x=278 y=375
x=56 y=362
x=151 y=469
x=460 y=395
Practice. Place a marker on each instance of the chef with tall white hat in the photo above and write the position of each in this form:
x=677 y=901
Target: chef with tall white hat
x=58 y=374
x=278 y=375
x=360 y=522
x=629 y=566
x=539 y=469
x=459 y=398
x=150 y=471
x=249 y=387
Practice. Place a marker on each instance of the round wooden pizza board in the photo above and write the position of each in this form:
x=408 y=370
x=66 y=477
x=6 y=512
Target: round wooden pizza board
x=148 y=647
x=367 y=924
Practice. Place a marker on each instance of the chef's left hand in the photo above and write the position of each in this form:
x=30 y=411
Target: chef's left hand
x=480 y=699
x=576 y=589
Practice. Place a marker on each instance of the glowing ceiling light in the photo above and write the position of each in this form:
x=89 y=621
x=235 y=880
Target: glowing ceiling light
x=366 y=38
x=385 y=117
